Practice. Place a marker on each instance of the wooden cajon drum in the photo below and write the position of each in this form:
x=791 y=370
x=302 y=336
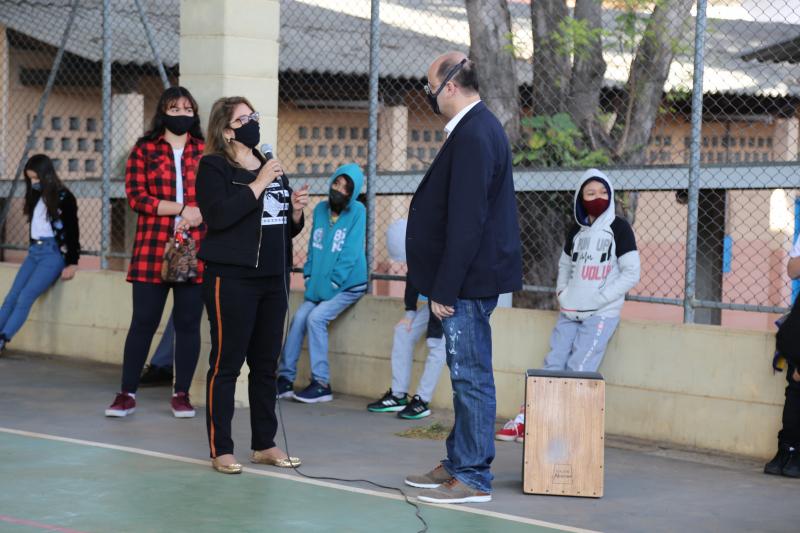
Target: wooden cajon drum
x=564 y=433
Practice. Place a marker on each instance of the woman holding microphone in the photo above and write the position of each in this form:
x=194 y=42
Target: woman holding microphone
x=252 y=215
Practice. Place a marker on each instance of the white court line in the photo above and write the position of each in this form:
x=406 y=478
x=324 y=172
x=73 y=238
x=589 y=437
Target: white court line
x=358 y=490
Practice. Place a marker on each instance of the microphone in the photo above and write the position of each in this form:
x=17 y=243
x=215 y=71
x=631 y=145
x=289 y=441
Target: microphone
x=266 y=149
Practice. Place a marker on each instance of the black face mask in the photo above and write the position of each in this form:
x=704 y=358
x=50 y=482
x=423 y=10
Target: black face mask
x=337 y=201
x=179 y=124
x=249 y=134
x=432 y=96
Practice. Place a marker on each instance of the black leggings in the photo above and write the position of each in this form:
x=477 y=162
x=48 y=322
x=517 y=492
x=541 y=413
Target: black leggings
x=790 y=432
x=247 y=320
x=148 y=306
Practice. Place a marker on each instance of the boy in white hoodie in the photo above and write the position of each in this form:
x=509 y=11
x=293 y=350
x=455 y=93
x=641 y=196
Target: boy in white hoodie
x=599 y=264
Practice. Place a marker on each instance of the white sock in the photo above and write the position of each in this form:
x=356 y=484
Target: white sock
x=131 y=394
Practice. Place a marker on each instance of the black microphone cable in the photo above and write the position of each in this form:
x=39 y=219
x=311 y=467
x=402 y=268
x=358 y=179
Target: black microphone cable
x=266 y=149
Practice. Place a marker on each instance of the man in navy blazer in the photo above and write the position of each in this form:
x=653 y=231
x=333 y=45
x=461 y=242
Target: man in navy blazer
x=463 y=250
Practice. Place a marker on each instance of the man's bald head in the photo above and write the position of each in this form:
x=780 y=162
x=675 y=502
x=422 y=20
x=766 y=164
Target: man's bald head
x=466 y=78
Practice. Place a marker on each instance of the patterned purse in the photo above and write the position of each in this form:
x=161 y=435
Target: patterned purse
x=180 y=259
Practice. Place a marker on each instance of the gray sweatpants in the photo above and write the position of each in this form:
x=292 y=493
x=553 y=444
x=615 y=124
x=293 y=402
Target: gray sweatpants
x=578 y=346
x=403 y=357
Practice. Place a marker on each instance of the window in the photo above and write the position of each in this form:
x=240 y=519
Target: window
x=98 y=145
x=90 y=165
x=720 y=157
x=91 y=124
x=769 y=142
x=657 y=140
x=714 y=141
x=765 y=157
x=57 y=164
x=705 y=142
x=328 y=168
x=410 y=153
x=751 y=141
x=322 y=150
x=308 y=150
x=329 y=132
x=348 y=151
x=301 y=168
x=421 y=153
x=746 y=157
x=72 y=165
x=663 y=156
x=298 y=150
x=439 y=136
x=341 y=133
x=74 y=123
x=414 y=167
x=66 y=143
x=668 y=140
x=415 y=135
x=687 y=142
x=653 y=156
x=83 y=144
x=315 y=168
x=315 y=133
x=737 y=157
x=761 y=142
x=336 y=150
x=302 y=132
x=49 y=143
x=365 y=133
x=426 y=136
x=726 y=141
x=362 y=151
x=55 y=123
x=741 y=142
x=432 y=153
x=354 y=133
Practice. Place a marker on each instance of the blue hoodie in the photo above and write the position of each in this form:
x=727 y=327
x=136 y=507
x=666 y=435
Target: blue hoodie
x=337 y=259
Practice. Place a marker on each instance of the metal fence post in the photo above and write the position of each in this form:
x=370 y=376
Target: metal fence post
x=152 y=43
x=694 y=166
x=105 y=223
x=37 y=121
x=372 y=146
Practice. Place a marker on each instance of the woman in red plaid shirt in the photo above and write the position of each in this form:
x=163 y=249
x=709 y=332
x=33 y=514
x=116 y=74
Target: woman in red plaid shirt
x=160 y=185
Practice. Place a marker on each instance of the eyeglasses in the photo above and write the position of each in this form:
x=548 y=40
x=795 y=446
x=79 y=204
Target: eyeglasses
x=244 y=119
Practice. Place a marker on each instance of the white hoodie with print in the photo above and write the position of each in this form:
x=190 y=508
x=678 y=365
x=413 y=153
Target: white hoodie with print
x=599 y=263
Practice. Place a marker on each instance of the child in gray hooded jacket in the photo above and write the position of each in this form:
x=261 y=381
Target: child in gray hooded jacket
x=599 y=264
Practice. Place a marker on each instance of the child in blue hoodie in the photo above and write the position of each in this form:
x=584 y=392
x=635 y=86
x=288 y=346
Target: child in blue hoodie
x=336 y=278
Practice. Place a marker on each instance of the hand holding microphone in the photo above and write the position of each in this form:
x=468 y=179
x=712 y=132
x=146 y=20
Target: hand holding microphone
x=270 y=171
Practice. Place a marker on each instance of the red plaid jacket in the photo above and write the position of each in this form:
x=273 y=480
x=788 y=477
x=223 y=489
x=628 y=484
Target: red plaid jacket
x=150 y=178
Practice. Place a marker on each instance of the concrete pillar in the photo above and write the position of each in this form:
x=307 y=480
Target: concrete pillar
x=127 y=116
x=230 y=48
x=4 y=89
x=786 y=139
x=393 y=142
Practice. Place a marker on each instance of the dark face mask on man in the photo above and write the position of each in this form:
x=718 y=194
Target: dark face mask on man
x=337 y=200
x=179 y=124
x=249 y=134
x=432 y=96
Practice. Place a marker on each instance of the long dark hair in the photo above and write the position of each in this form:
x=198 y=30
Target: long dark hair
x=43 y=167
x=167 y=98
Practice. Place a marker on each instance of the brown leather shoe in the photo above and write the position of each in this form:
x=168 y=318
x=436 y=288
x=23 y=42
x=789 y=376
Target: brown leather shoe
x=429 y=480
x=453 y=491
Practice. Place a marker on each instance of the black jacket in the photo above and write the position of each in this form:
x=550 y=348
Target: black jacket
x=233 y=215
x=462 y=238
x=411 y=299
x=65 y=227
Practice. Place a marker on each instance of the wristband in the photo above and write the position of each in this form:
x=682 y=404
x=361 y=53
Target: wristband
x=180 y=213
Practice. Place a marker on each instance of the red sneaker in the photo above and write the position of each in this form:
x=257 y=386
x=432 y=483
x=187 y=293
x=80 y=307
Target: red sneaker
x=124 y=405
x=512 y=431
x=181 y=407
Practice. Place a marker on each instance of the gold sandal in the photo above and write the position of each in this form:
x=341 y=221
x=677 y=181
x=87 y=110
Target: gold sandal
x=264 y=459
x=235 y=468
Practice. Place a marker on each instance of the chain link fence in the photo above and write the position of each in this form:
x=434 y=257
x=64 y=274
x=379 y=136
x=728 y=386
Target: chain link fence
x=576 y=84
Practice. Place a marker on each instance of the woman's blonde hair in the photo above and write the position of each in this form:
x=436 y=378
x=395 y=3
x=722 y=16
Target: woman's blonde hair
x=218 y=121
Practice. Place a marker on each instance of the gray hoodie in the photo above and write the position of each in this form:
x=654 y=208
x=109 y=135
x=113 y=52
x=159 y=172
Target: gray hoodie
x=599 y=263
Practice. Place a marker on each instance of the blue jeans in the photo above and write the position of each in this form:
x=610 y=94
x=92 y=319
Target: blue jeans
x=314 y=317
x=470 y=445
x=165 y=351
x=37 y=273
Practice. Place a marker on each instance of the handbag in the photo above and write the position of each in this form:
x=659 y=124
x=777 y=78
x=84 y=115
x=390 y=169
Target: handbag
x=180 y=259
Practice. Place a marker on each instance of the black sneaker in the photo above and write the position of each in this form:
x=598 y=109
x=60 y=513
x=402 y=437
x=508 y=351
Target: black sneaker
x=775 y=466
x=316 y=392
x=792 y=466
x=285 y=388
x=156 y=376
x=415 y=409
x=389 y=403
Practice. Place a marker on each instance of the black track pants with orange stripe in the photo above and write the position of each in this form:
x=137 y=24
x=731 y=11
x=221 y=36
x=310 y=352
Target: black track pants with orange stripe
x=247 y=318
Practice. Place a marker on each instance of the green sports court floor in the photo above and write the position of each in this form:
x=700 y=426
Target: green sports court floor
x=64 y=467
